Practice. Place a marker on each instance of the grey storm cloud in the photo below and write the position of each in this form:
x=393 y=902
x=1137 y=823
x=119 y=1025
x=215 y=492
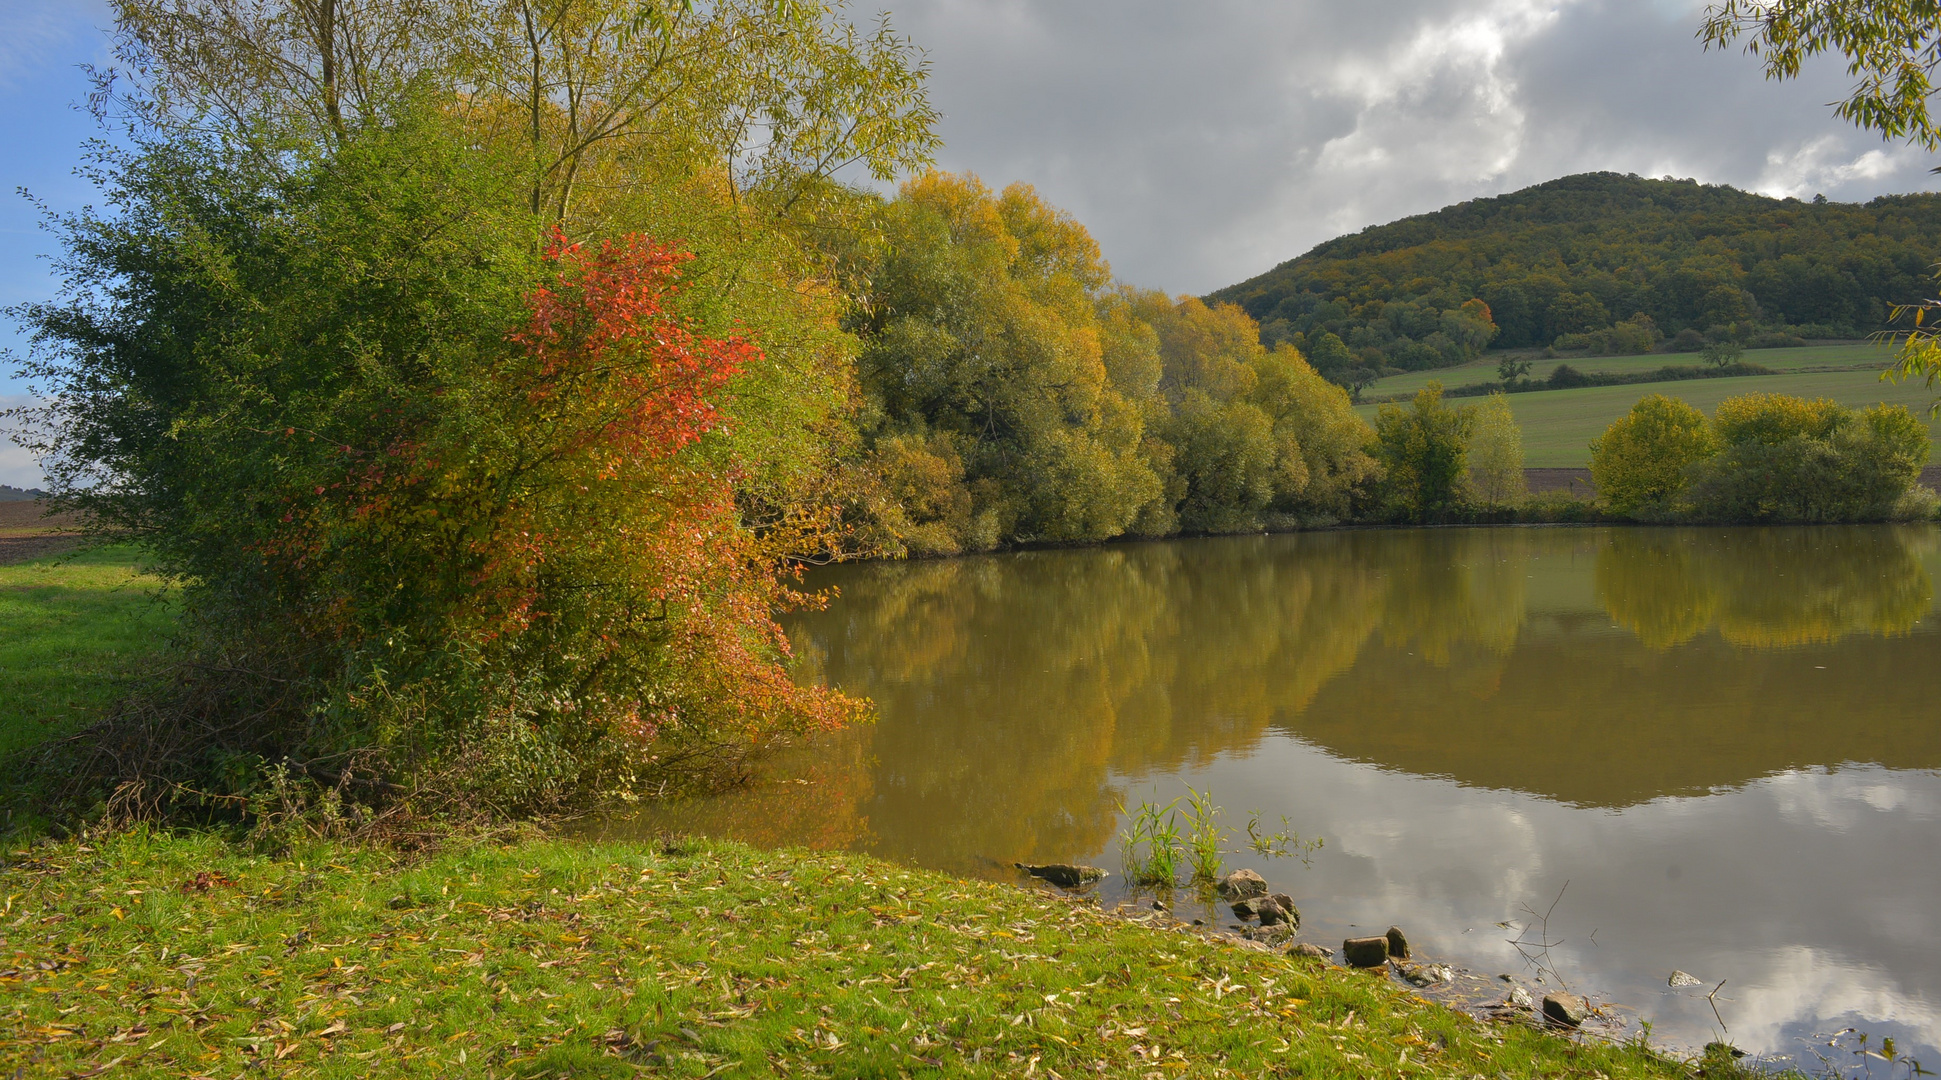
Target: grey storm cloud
x=1204 y=143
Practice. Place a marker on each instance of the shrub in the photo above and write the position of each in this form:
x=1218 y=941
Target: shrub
x=1639 y=464
x=450 y=506
x=1774 y=418
x=1790 y=460
x=1424 y=450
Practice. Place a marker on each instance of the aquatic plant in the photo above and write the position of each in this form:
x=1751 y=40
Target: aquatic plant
x=1204 y=834
x=1281 y=844
x=1150 y=844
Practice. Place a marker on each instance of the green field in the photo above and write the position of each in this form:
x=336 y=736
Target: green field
x=1840 y=356
x=73 y=629
x=1558 y=425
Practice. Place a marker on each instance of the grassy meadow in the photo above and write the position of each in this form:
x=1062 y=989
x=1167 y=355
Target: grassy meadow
x=189 y=956
x=74 y=629
x=1558 y=425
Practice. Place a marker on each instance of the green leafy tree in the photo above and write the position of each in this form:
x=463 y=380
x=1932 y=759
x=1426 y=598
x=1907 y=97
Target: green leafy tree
x=1786 y=459
x=766 y=100
x=1722 y=353
x=1321 y=445
x=983 y=347
x=450 y=511
x=1639 y=465
x=1424 y=452
x=1541 y=261
x=1496 y=453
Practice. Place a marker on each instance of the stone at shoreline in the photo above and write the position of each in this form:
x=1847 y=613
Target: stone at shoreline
x=1063 y=875
x=1428 y=974
x=1365 y=952
x=1679 y=978
x=1243 y=910
x=1310 y=949
x=1278 y=908
x=1243 y=884
x=1520 y=997
x=1272 y=934
x=1398 y=943
x=1568 y=1009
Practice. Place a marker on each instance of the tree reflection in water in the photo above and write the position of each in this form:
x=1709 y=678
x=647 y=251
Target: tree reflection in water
x=1021 y=696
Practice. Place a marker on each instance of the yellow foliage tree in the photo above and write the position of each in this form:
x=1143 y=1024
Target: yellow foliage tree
x=1639 y=464
x=1496 y=453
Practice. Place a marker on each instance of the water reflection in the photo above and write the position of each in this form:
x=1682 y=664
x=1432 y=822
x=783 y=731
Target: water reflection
x=1765 y=588
x=1469 y=716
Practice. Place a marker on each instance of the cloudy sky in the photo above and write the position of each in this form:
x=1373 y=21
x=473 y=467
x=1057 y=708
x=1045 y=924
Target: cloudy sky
x=1204 y=143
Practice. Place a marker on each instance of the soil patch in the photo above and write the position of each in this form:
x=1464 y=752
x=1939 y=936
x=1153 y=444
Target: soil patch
x=25 y=515
x=1575 y=481
x=18 y=549
x=27 y=532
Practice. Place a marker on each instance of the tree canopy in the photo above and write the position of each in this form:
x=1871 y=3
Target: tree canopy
x=1589 y=254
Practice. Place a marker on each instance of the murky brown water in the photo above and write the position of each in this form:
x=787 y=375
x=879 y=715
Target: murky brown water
x=1727 y=742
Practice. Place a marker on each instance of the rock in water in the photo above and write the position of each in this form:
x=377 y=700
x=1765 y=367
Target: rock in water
x=1243 y=910
x=1679 y=978
x=1398 y=943
x=1365 y=952
x=1063 y=875
x=1428 y=974
x=1242 y=884
x=1567 y=1009
x=1278 y=908
x=1520 y=997
x=1310 y=950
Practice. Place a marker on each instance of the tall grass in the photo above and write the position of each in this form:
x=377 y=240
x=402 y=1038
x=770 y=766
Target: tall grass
x=1150 y=847
x=1204 y=835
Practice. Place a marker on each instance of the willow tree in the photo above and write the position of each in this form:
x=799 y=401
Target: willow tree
x=990 y=404
x=769 y=98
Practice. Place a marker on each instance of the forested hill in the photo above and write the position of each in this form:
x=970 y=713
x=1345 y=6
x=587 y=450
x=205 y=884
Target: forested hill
x=1582 y=255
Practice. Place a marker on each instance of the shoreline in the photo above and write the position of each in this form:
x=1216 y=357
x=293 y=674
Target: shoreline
x=190 y=954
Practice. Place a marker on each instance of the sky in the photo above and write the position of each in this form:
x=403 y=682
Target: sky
x=1201 y=143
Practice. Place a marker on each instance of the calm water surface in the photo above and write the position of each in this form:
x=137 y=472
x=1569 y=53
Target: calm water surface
x=1727 y=742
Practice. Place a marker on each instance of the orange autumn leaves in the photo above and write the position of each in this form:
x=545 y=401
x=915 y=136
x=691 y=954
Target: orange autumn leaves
x=559 y=520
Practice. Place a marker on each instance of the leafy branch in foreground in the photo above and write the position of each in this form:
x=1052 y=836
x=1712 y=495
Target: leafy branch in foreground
x=1891 y=46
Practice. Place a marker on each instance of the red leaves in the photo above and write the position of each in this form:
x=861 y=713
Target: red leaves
x=603 y=326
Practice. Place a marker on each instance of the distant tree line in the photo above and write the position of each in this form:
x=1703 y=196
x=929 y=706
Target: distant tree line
x=1602 y=263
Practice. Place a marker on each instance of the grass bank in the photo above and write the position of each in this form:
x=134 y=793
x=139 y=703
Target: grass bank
x=1558 y=425
x=186 y=956
x=75 y=629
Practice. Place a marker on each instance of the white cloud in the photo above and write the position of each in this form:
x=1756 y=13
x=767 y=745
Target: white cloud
x=1206 y=143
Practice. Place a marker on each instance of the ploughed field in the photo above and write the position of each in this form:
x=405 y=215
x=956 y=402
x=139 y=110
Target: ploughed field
x=1559 y=425
x=1707 y=750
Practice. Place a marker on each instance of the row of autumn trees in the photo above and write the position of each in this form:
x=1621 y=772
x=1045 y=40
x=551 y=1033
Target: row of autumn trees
x=1763 y=458
x=1010 y=391
x=479 y=372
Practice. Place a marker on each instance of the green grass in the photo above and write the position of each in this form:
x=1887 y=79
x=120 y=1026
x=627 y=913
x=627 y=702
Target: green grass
x=189 y=957
x=1558 y=425
x=73 y=630
x=1862 y=356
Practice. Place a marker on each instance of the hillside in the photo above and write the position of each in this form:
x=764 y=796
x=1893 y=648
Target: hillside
x=1571 y=263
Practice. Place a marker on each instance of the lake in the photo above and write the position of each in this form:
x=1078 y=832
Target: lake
x=1726 y=742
